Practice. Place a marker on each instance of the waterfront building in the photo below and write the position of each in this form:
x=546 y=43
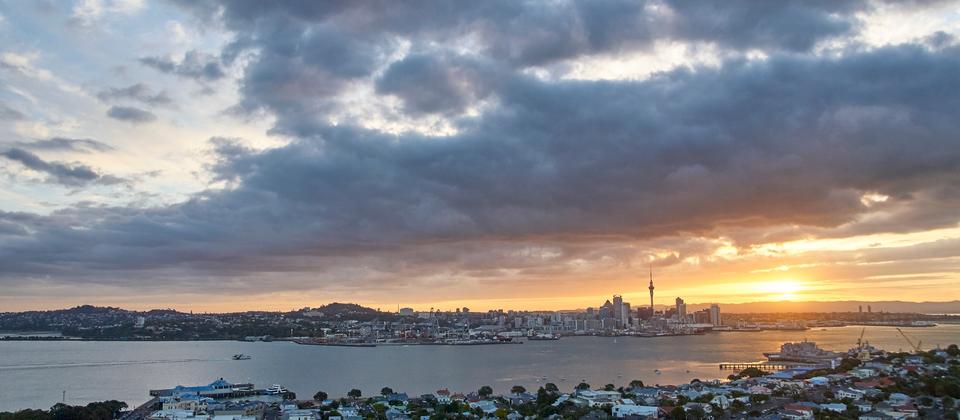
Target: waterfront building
x=715 y=315
x=606 y=311
x=702 y=316
x=618 y=308
x=681 y=310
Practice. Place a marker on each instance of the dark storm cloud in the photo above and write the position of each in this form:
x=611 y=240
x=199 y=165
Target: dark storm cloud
x=791 y=25
x=137 y=92
x=194 y=65
x=130 y=114
x=791 y=140
x=67 y=174
x=308 y=53
x=66 y=144
x=428 y=84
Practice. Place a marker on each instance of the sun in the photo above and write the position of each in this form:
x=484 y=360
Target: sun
x=783 y=289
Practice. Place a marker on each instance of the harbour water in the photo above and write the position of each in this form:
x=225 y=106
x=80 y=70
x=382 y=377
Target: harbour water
x=33 y=374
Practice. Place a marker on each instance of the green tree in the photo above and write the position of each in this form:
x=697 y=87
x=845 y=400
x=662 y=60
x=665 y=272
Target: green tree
x=678 y=414
x=485 y=391
x=320 y=396
x=551 y=387
x=609 y=387
x=517 y=389
x=636 y=383
x=752 y=372
x=953 y=350
x=386 y=391
x=582 y=386
x=848 y=364
x=355 y=393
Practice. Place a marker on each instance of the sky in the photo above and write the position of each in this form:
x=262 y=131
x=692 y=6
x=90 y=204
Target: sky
x=221 y=156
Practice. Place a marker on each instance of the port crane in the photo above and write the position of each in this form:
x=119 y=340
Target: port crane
x=863 y=347
x=916 y=347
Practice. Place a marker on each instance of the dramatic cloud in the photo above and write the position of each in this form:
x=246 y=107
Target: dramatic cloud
x=194 y=65
x=574 y=160
x=136 y=92
x=472 y=144
x=131 y=114
x=66 y=144
x=70 y=175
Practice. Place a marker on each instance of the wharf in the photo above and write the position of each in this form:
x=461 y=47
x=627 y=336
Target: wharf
x=768 y=366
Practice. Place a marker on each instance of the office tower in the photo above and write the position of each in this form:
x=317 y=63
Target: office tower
x=681 y=310
x=618 y=307
x=715 y=314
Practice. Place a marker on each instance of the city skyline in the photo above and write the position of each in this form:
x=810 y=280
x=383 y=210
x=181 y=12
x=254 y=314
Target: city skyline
x=226 y=156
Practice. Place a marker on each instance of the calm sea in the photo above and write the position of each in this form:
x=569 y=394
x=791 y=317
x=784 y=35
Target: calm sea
x=34 y=374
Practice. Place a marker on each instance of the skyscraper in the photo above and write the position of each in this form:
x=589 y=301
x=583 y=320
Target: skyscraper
x=681 y=311
x=618 y=307
x=715 y=314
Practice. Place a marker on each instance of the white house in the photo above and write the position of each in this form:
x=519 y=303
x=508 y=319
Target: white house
x=835 y=407
x=844 y=393
x=623 y=410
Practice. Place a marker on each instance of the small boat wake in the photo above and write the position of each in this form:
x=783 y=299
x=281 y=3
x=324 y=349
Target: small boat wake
x=100 y=364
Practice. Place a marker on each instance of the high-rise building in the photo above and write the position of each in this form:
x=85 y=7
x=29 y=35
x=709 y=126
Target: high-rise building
x=681 y=310
x=618 y=307
x=715 y=314
x=702 y=316
x=606 y=310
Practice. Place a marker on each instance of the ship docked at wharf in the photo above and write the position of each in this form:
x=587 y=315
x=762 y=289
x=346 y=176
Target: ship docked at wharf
x=804 y=352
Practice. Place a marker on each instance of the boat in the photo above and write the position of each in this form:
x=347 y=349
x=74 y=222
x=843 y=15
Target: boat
x=543 y=337
x=802 y=352
x=275 y=389
x=241 y=356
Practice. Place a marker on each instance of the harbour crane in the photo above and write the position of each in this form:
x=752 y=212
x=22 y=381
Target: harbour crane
x=860 y=339
x=916 y=347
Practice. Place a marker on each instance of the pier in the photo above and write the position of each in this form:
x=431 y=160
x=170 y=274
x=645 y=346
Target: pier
x=768 y=366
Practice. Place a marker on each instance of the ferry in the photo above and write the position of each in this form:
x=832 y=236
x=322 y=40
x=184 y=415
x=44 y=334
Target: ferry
x=241 y=356
x=802 y=352
x=275 y=389
x=543 y=337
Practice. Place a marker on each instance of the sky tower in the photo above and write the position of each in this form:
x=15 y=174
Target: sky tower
x=651 y=289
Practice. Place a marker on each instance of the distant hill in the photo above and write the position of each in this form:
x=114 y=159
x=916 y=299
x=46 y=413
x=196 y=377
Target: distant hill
x=950 y=307
x=337 y=308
